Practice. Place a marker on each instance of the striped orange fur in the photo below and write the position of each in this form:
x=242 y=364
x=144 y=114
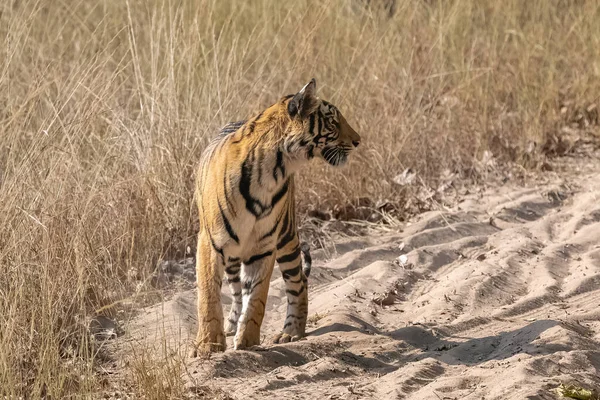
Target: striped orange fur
x=245 y=193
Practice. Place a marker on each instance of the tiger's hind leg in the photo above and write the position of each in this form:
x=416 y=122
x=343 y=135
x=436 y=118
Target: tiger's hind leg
x=256 y=278
x=209 y=271
x=233 y=279
x=296 y=289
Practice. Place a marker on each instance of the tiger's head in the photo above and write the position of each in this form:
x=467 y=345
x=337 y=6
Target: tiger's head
x=318 y=129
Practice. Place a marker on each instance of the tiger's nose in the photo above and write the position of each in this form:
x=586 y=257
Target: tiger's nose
x=355 y=143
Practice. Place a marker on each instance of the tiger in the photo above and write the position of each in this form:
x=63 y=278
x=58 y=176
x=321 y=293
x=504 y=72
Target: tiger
x=245 y=195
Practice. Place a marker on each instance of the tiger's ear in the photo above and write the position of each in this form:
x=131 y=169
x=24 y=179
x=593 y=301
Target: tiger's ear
x=305 y=102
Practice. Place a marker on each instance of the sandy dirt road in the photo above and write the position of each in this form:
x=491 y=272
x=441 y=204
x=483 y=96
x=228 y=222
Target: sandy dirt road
x=498 y=298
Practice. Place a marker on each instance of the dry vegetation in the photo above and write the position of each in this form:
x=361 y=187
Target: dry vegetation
x=105 y=107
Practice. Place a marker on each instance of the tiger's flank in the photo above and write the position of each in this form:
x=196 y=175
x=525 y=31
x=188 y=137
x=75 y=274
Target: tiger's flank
x=245 y=193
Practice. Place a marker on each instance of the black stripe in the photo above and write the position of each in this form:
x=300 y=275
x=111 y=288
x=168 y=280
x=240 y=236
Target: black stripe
x=311 y=123
x=252 y=205
x=250 y=128
x=284 y=228
x=249 y=286
x=279 y=195
x=258 y=163
x=319 y=127
x=228 y=226
x=287 y=274
x=279 y=166
x=231 y=127
x=233 y=270
x=310 y=152
x=225 y=187
x=241 y=135
x=235 y=279
x=272 y=231
x=307 y=258
x=213 y=244
x=317 y=137
x=287 y=324
x=266 y=211
x=289 y=257
x=258 y=257
x=233 y=259
x=252 y=124
x=254 y=287
x=287 y=238
x=295 y=293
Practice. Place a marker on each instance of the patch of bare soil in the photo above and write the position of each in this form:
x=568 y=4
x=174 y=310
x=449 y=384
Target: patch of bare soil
x=497 y=298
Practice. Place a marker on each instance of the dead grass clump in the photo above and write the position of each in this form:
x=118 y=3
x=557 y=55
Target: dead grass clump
x=575 y=392
x=105 y=108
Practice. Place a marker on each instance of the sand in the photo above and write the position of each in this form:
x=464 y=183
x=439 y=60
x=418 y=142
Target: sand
x=496 y=298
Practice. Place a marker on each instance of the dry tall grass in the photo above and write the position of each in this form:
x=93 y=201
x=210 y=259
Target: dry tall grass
x=105 y=107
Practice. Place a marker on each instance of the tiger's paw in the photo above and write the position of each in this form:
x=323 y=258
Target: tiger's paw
x=230 y=328
x=283 y=337
x=203 y=350
x=245 y=340
x=246 y=344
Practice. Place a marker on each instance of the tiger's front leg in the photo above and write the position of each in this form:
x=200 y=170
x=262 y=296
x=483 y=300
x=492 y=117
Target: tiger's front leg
x=209 y=271
x=256 y=278
x=296 y=290
x=232 y=272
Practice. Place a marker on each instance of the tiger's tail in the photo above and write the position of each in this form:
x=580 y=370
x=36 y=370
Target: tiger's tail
x=305 y=248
